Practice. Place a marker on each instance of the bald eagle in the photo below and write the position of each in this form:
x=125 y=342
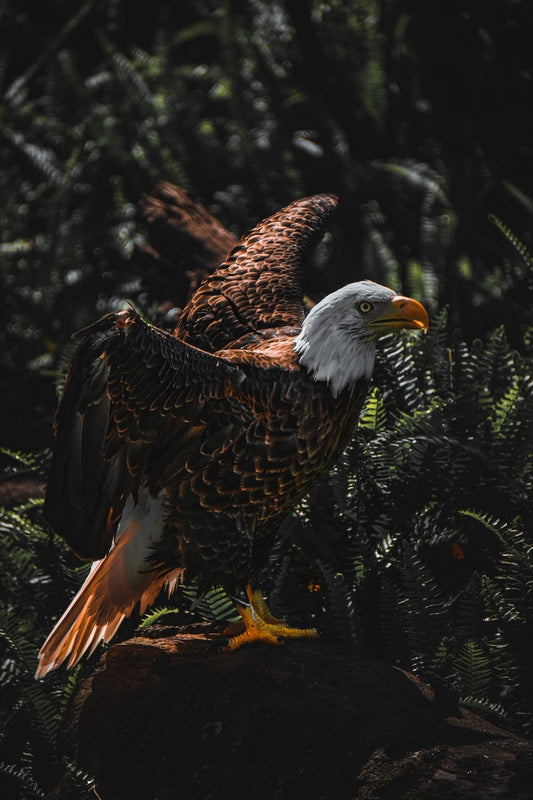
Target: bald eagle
x=183 y=453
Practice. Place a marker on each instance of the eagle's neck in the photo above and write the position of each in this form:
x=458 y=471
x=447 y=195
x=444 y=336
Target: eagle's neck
x=333 y=351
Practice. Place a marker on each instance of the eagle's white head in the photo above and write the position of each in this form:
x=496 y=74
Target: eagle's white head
x=337 y=340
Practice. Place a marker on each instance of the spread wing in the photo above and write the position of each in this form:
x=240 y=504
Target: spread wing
x=127 y=383
x=260 y=284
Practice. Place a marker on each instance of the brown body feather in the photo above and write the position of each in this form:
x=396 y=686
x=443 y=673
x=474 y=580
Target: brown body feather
x=240 y=432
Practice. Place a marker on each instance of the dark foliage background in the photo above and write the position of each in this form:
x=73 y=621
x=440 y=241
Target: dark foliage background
x=420 y=117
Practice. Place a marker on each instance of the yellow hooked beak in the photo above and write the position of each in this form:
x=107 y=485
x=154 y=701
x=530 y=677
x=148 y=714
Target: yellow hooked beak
x=403 y=312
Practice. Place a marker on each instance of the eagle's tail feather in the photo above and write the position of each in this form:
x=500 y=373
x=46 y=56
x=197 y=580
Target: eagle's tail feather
x=109 y=594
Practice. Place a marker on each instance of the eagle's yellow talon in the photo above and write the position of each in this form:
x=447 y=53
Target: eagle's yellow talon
x=255 y=630
x=260 y=607
x=234 y=628
x=260 y=625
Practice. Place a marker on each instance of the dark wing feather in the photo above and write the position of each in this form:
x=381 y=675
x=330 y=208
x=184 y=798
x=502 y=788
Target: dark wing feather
x=181 y=231
x=124 y=381
x=260 y=284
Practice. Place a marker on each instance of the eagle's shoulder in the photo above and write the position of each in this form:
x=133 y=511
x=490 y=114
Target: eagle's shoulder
x=272 y=349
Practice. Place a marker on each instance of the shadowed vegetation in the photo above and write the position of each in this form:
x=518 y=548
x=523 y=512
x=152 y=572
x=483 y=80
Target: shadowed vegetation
x=418 y=545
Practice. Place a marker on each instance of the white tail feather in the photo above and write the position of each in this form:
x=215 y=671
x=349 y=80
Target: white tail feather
x=112 y=589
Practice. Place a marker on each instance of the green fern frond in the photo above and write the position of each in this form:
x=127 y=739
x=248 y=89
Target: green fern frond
x=441 y=658
x=473 y=669
x=213 y=605
x=488 y=709
x=41 y=158
x=128 y=76
x=525 y=201
x=84 y=784
x=68 y=688
x=503 y=410
x=424 y=608
x=35 y=463
x=518 y=246
x=379 y=252
x=340 y=603
x=155 y=616
x=23 y=776
x=44 y=710
x=373 y=416
x=419 y=177
x=505 y=661
x=397 y=358
x=512 y=536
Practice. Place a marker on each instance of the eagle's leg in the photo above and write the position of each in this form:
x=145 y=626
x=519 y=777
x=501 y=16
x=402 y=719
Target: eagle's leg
x=258 y=602
x=260 y=625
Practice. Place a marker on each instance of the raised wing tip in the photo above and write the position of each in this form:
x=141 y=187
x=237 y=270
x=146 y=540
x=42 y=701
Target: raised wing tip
x=311 y=212
x=325 y=200
x=329 y=198
x=315 y=209
x=115 y=319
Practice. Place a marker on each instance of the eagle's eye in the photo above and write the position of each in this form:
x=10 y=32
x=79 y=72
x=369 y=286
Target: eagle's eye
x=365 y=307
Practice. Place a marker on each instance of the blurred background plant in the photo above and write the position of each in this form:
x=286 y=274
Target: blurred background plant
x=419 y=116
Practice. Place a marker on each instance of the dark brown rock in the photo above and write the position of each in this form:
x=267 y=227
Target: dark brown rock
x=176 y=717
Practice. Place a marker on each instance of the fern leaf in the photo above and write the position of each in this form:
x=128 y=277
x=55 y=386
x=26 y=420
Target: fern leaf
x=213 y=605
x=373 y=416
x=155 y=616
x=24 y=778
x=45 y=716
x=473 y=668
x=518 y=246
